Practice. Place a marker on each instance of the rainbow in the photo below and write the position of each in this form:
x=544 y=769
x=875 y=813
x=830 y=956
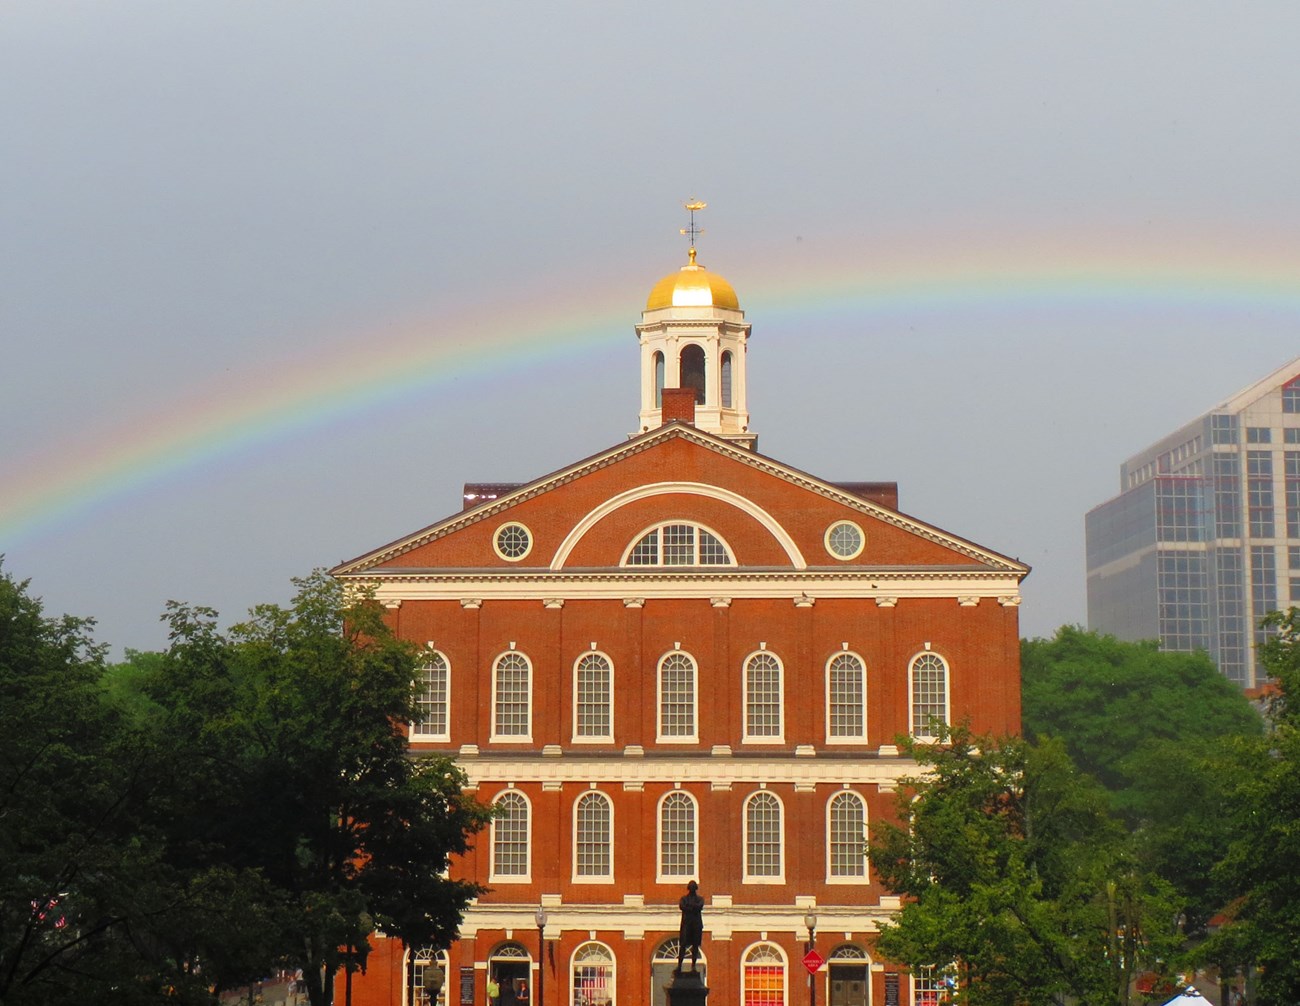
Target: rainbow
x=363 y=371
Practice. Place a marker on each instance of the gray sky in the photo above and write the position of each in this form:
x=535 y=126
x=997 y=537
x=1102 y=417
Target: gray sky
x=988 y=250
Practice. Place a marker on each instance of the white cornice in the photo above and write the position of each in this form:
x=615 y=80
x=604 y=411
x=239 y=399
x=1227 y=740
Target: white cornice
x=885 y=587
x=485 y=770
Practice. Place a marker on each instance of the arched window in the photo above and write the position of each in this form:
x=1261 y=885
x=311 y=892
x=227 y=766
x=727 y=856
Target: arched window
x=432 y=682
x=510 y=837
x=512 y=697
x=846 y=830
x=678 y=545
x=662 y=966
x=762 y=978
x=692 y=371
x=763 y=697
x=593 y=837
x=677 y=698
x=928 y=674
x=418 y=965
x=593 y=975
x=593 y=698
x=726 y=380
x=763 y=859
x=659 y=380
x=846 y=698
x=677 y=833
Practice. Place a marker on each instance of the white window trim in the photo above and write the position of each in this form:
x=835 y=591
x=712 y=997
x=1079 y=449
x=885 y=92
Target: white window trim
x=511 y=738
x=512 y=878
x=911 y=694
x=747 y=737
x=594 y=878
x=746 y=876
x=862 y=541
x=613 y=968
x=866 y=722
x=865 y=876
x=445 y=735
x=593 y=738
x=785 y=966
x=522 y=555
x=674 y=878
x=694 y=737
x=659 y=526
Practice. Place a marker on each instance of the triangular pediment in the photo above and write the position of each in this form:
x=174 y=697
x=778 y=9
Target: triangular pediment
x=771 y=517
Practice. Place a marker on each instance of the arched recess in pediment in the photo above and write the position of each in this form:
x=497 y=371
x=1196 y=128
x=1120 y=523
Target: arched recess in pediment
x=747 y=506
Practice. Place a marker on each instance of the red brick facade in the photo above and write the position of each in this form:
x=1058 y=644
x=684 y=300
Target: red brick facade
x=742 y=702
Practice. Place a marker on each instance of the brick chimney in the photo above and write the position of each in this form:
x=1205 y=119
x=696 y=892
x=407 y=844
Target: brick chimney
x=678 y=404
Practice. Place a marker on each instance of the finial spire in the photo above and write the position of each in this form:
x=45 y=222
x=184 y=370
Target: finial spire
x=692 y=231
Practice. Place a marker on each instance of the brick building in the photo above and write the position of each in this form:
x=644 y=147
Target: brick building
x=679 y=659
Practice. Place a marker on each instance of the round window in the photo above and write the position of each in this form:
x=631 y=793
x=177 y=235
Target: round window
x=512 y=542
x=844 y=540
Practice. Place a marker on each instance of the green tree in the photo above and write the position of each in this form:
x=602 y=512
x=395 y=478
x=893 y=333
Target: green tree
x=84 y=883
x=1016 y=877
x=292 y=762
x=1262 y=863
x=1159 y=730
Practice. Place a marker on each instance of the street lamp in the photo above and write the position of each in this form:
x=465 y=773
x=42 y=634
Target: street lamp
x=810 y=920
x=540 y=916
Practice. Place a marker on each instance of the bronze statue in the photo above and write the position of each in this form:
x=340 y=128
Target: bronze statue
x=692 y=928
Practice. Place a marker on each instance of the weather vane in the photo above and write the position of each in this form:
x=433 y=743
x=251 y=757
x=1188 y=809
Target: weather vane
x=692 y=231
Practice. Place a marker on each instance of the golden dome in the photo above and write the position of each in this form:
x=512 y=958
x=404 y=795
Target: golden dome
x=692 y=286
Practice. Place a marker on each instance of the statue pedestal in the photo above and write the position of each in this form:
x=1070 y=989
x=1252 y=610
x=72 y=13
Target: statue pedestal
x=687 y=988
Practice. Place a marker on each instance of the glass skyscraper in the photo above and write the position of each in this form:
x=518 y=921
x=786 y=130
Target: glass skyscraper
x=1204 y=538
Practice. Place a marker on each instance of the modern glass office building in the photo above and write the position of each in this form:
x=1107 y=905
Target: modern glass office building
x=1204 y=538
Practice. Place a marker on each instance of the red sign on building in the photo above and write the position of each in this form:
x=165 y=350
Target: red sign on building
x=813 y=961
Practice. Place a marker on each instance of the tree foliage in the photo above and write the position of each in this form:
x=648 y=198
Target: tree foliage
x=191 y=820
x=1160 y=731
x=1262 y=863
x=1016 y=876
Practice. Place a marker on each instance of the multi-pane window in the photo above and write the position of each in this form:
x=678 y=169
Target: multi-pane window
x=763 y=977
x=677 y=697
x=1263 y=587
x=847 y=831
x=1223 y=429
x=929 y=678
x=677 y=836
x=512 y=691
x=1227 y=496
x=1178 y=508
x=1293 y=571
x=846 y=688
x=431 y=683
x=593 y=697
x=1230 y=628
x=928 y=988
x=679 y=545
x=422 y=961
x=1259 y=435
x=593 y=975
x=1291 y=435
x=593 y=830
x=762 y=696
x=1292 y=462
x=1291 y=396
x=1259 y=493
x=1183 y=599
x=763 y=836
x=726 y=380
x=510 y=836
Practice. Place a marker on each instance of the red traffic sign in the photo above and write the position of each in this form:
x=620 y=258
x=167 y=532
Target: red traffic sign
x=813 y=961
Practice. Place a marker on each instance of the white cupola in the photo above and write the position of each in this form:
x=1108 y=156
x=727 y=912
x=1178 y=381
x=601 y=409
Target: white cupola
x=693 y=335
